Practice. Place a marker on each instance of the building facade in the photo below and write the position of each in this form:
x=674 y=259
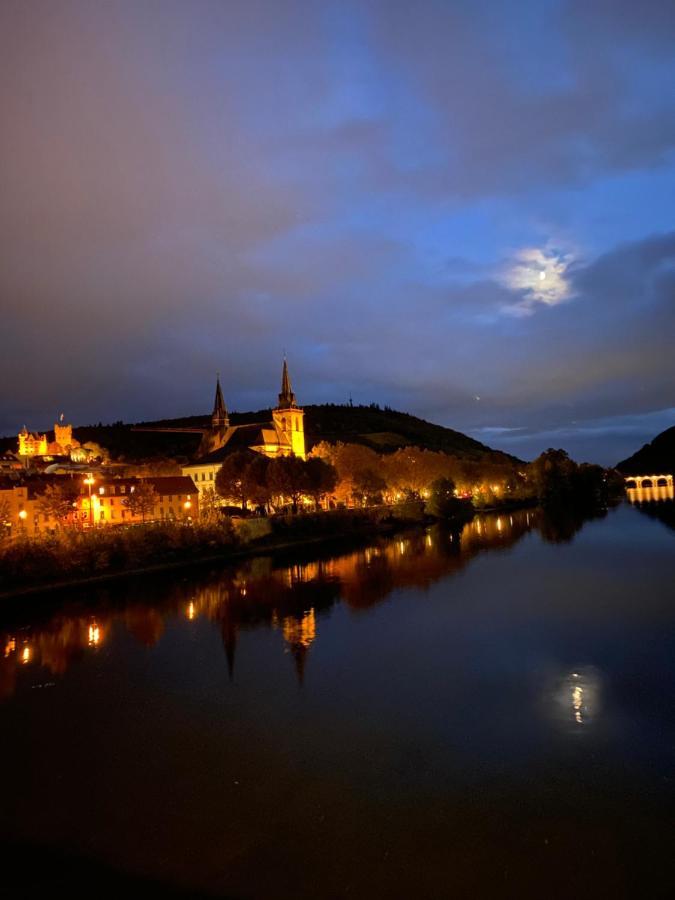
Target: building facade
x=96 y=502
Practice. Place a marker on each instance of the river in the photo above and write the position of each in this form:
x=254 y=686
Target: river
x=481 y=713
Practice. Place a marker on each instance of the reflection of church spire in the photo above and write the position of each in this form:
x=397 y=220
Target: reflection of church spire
x=286 y=397
x=219 y=417
x=299 y=655
x=229 y=634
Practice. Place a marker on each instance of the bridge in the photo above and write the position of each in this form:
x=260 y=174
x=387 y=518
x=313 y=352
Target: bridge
x=647 y=481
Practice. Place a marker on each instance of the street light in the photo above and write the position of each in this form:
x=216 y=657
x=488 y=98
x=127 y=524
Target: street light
x=89 y=481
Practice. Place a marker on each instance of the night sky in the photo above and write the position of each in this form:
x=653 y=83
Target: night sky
x=464 y=210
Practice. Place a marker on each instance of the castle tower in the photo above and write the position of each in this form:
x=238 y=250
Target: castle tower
x=288 y=417
x=63 y=435
x=219 y=417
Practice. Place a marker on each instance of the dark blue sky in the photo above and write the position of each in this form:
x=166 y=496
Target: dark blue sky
x=464 y=210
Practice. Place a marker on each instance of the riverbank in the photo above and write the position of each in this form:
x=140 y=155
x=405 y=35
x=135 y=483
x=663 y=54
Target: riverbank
x=72 y=559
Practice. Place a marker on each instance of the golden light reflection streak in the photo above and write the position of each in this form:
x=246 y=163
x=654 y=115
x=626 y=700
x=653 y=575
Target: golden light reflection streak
x=578 y=701
x=94 y=635
x=191 y=612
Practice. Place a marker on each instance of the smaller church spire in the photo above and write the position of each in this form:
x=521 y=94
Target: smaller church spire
x=286 y=397
x=219 y=417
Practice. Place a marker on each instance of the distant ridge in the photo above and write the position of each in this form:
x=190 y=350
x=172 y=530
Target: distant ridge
x=656 y=458
x=384 y=430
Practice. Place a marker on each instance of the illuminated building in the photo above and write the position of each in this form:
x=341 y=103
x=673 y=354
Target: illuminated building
x=282 y=436
x=32 y=444
x=64 y=444
x=99 y=502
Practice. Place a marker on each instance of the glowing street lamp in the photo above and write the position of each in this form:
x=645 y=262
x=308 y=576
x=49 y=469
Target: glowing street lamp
x=89 y=481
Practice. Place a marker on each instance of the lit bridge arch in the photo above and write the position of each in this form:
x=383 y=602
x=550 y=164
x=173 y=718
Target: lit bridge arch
x=648 y=481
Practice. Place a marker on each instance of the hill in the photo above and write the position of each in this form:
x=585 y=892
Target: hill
x=384 y=430
x=656 y=458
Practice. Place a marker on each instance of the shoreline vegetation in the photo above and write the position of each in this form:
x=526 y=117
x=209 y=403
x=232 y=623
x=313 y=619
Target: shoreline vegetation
x=70 y=556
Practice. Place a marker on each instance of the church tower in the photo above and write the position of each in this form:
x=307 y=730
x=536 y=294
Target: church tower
x=288 y=417
x=219 y=416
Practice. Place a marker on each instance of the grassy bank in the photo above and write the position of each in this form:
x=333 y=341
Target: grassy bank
x=73 y=557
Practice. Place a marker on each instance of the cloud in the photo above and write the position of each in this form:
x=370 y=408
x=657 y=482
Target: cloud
x=539 y=275
x=193 y=187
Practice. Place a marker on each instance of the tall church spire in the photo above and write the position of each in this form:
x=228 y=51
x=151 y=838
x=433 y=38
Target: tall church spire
x=286 y=397
x=219 y=417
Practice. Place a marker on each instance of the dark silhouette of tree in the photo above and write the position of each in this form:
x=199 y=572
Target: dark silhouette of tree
x=255 y=482
x=287 y=478
x=321 y=478
x=442 y=503
x=368 y=487
x=231 y=478
x=142 y=499
x=58 y=500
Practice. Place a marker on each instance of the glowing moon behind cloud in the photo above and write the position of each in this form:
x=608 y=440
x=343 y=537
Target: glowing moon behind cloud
x=539 y=275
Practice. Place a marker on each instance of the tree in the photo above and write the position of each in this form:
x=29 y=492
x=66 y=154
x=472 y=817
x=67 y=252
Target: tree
x=141 y=500
x=368 y=487
x=442 y=503
x=287 y=478
x=321 y=478
x=553 y=474
x=350 y=461
x=230 y=480
x=5 y=519
x=58 y=500
x=209 y=504
x=255 y=486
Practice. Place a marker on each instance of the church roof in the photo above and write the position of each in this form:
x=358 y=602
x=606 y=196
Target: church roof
x=243 y=437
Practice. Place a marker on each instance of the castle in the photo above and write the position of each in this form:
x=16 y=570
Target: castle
x=282 y=436
x=37 y=445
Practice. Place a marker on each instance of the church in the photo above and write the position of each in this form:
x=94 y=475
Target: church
x=283 y=435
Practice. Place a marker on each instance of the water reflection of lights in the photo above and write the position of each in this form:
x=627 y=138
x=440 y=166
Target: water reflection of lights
x=10 y=646
x=577 y=697
x=26 y=654
x=300 y=632
x=94 y=635
x=578 y=701
x=649 y=494
x=191 y=611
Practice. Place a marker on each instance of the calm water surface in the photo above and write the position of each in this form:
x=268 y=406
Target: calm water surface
x=488 y=713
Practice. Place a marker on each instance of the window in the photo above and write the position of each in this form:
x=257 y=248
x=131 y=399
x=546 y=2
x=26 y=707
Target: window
x=122 y=489
x=101 y=491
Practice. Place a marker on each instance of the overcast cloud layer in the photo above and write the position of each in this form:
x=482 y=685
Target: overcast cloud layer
x=464 y=210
